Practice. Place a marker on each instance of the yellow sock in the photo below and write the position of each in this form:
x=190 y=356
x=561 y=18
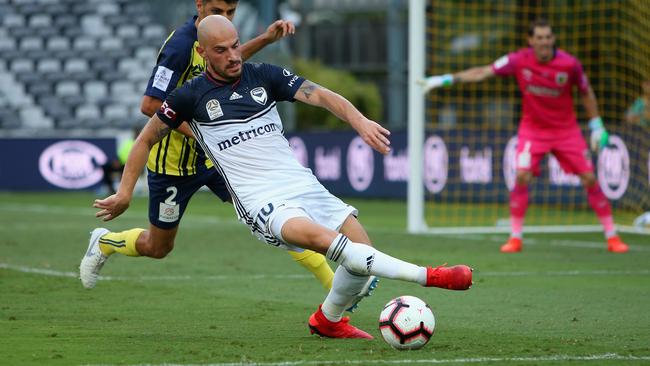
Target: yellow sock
x=316 y=264
x=122 y=242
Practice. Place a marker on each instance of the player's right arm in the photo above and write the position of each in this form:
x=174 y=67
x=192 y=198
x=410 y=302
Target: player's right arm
x=113 y=206
x=505 y=65
x=471 y=75
x=474 y=75
x=176 y=109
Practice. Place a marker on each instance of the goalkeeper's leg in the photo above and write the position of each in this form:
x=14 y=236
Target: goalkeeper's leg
x=600 y=204
x=518 y=208
x=572 y=154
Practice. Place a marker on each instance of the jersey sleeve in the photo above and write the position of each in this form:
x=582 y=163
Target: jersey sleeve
x=178 y=107
x=283 y=84
x=506 y=65
x=579 y=78
x=173 y=59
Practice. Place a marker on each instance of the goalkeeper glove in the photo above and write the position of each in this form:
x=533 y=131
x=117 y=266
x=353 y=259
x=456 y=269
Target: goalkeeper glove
x=437 y=81
x=599 y=136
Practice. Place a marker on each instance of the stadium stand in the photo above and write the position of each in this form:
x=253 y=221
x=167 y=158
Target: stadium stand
x=69 y=64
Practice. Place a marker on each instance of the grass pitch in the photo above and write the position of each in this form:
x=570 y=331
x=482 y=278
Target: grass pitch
x=222 y=297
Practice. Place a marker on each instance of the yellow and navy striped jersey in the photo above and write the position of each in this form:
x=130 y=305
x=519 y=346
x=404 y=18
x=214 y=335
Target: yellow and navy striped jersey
x=178 y=61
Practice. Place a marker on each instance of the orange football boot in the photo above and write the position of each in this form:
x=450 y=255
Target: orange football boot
x=451 y=278
x=616 y=245
x=319 y=324
x=513 y=245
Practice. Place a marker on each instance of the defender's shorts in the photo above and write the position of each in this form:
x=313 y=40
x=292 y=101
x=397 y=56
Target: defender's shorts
x=570 y=150
x=321 y=207
x=169 y=194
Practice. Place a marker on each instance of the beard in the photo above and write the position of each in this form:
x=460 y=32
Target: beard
x=229 y=73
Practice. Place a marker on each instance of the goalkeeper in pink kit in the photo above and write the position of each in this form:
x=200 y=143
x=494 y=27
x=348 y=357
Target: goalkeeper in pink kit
x=546 y=77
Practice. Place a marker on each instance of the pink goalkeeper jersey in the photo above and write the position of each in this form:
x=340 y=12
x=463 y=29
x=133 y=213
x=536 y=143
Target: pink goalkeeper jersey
x=546 y=90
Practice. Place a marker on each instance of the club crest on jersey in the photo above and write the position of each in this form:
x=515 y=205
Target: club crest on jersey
x=561 y=78
x=259 y=95
x=214 y=109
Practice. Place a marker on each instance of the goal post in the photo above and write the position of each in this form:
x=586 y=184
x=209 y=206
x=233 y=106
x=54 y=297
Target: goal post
x=461 y=140
x=416 y=57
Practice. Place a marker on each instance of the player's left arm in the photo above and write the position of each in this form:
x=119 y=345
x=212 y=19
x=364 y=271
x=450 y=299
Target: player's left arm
x=590 y=103
x=370 y=131
x=599 y=136
x=279 y=29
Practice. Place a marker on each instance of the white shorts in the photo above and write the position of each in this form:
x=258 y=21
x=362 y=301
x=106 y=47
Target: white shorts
x=321 y=207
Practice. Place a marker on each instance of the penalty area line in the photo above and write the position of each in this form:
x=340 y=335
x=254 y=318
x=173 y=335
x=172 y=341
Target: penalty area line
x=476 y=360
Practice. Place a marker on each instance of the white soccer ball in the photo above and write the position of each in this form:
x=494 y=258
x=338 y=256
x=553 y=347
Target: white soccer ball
x=407 y=323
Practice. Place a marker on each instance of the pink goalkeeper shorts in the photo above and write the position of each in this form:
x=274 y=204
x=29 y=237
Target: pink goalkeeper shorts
x=569 y=148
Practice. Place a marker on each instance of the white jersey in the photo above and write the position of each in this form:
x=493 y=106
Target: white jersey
x=239 y=128
x=257 y=161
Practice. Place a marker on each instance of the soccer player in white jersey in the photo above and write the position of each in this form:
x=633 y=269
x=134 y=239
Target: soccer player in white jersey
x=231 y=109
x=177 y=165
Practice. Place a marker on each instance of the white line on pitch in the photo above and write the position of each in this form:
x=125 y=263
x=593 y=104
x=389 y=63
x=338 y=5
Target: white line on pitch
x=478 y=360
x=55 y=273
x=541 y=241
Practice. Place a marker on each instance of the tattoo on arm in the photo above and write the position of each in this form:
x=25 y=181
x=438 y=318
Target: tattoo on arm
x=162 y=132
x=307 y=88
x=159 y=134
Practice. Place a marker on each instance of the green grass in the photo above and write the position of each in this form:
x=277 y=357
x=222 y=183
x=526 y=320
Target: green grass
x=224 y=297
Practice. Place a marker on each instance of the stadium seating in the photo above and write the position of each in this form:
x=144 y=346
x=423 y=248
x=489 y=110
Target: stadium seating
x=70 y=64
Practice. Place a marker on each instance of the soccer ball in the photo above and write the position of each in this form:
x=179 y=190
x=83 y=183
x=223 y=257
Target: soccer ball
x=406 y=323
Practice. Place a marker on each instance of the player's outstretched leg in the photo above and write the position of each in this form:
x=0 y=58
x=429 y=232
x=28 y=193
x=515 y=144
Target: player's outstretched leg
x=366 y=260
x=319 y=324
x=93 y=261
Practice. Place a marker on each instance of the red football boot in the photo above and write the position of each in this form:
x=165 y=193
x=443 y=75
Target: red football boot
x=513 y=245
x=451 y=278
x=320 y=325
x=616 y=245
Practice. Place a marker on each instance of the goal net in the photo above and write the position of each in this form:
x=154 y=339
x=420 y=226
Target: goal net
x=462 y=139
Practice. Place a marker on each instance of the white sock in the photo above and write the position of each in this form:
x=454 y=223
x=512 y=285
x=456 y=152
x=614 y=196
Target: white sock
x=345 y=287
x=365 y=260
